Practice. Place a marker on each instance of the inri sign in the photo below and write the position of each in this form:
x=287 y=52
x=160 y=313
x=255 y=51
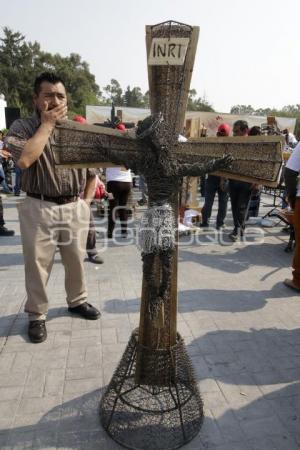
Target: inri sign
x=165 y=51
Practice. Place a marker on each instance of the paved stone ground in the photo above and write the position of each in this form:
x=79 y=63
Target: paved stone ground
x=239 y=322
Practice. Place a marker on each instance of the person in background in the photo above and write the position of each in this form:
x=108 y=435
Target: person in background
x=213 y=185
x=4 y=232
x=91 y=249
x=3 y=156
x=3 y=183
x=255 y=131
x=119 y=183
x=203 y=133
x=7 y=164
x=13 y=168
x=290 y=138
x=239 y=191
x=253 y=208
x=52 y=214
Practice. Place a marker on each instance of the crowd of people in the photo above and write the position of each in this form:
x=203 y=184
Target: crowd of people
x=244 y=197
x=63 y=196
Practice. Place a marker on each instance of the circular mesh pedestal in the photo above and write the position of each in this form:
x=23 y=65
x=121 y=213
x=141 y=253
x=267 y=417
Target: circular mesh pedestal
x=152 y=401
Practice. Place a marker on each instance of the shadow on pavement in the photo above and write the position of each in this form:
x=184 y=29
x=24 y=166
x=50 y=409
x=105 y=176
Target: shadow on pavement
x=211 y=300
x=75 y=424
x=240 y=258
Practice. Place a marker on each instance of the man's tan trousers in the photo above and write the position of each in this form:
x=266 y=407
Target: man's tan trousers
x=44 y=227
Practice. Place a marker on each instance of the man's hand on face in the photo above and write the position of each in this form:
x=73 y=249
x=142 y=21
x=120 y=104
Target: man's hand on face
x=51 y=116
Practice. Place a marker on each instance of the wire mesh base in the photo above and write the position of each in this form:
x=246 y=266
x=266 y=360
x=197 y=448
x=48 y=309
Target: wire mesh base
x=148 y=409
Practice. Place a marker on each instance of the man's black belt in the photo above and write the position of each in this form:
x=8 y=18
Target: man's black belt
x=62 y=200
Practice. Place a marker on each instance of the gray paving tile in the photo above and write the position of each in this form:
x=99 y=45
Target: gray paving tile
x=239 y=323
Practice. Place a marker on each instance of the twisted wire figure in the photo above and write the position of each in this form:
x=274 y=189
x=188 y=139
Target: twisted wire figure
x=163 y=174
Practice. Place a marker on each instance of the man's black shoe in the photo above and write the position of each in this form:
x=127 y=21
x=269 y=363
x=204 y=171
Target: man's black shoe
x=37 y=331
x=5 y=232
x=86 y=310
x=204 y=225
x=233 y=237
x=95 y=258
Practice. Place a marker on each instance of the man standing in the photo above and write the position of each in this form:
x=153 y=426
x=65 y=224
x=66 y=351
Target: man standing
x=239 y=191
x=52 y=214
x=215 y=185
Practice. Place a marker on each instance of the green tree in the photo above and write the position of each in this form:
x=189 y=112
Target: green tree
x=146 y=99
x=134 y=97
x=114 y=93
x=242 y=109
x=21 y=62
x=292 y=109
x=191 y=99
x=264 y=112
x=128 y=96
x=198 y=104
x=15 y=68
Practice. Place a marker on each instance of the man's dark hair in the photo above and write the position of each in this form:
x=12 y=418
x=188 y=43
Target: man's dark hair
x=50 y=77
x=242 y=124
x=255 y=131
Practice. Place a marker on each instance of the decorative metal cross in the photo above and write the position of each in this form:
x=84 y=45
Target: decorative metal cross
x=152 y=400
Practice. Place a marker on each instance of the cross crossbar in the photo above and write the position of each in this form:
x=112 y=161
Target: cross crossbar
x=257 y=159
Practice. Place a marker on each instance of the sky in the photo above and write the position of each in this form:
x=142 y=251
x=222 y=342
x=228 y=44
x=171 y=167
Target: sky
x=248 y=51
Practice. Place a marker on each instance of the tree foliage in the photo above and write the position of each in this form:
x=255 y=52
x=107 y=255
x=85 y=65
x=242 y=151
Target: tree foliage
x=113 y=93
x=21 y=62
x=133 y=97
x=242 y=109
x=16 y=64
x=198 y=104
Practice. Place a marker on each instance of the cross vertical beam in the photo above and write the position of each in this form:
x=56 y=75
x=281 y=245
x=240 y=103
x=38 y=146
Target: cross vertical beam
x=168 y=87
